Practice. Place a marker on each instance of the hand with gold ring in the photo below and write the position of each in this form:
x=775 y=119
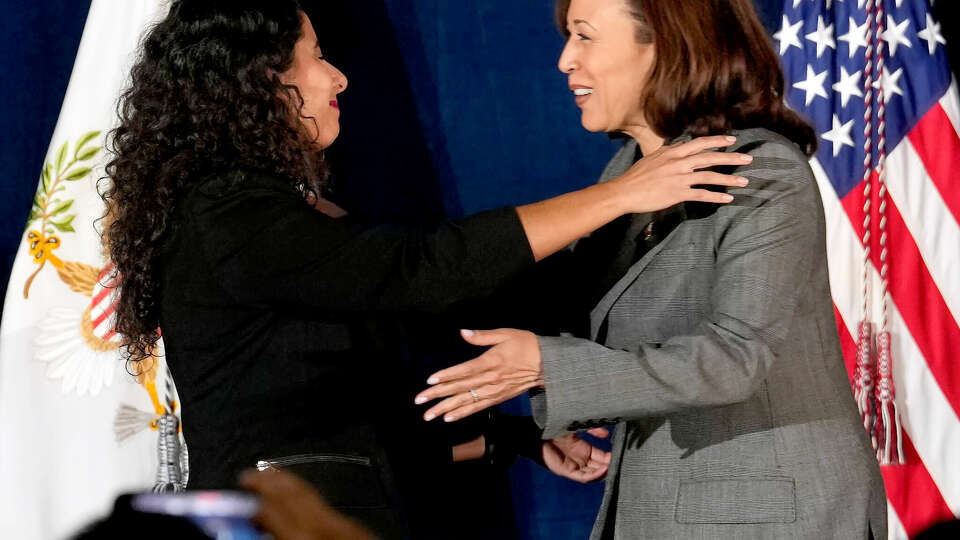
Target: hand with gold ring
x=510 y=367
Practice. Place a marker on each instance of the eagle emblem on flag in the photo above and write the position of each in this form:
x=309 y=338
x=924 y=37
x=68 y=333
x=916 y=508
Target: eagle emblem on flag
x=81 y=348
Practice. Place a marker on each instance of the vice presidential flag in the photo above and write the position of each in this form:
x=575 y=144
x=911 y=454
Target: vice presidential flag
x=76 y=429
x=873 y=77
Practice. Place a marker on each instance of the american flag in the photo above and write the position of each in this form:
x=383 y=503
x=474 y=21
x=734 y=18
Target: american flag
x=873 y=78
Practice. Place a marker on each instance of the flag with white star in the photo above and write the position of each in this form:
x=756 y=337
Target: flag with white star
x=872 y=77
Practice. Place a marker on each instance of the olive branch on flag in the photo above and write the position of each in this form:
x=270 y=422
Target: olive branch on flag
x=50 y=209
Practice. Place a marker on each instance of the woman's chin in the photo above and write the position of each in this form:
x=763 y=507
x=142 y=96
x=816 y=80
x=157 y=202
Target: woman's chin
x=323 y=142
x=591 y=126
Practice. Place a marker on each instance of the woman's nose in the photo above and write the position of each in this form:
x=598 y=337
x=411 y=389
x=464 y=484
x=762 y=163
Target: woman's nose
x=567 y=62
x=340 y=80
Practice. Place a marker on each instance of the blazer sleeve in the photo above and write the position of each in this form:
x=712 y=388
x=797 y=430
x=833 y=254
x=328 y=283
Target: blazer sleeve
x=268 y=248
x=766 y=244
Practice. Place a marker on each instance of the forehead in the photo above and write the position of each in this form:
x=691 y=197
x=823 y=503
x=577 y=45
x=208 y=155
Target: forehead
x=307 y=29
x=594 y=10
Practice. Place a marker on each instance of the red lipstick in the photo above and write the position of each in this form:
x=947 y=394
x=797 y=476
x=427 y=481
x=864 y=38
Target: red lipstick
x=334 y=104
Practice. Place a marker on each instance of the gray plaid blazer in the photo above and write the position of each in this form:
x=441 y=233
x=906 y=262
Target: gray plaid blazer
x=719 y=362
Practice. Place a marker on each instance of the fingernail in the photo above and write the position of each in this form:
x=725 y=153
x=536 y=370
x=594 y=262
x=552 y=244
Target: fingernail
x=420 y=400
x=742 y=181
x=746 y=158
x=449 y=418
x=429 y=417
x=433 y=380
x=727 y=198
x=731 y=139
x=467 y=333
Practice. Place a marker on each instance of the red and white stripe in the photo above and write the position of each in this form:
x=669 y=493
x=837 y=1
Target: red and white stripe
x=923 y=225
x=103 y=305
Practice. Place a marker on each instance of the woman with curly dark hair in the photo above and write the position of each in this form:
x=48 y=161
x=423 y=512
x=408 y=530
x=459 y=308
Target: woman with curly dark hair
x=221 y=237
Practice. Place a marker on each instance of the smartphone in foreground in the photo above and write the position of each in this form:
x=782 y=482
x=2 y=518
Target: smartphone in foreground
x=219 y=514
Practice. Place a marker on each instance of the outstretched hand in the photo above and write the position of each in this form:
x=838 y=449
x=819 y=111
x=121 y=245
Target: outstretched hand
x=510 y=367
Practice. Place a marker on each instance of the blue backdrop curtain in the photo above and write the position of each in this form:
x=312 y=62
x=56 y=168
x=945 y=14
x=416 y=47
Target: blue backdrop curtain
x=453 y=107
x=38 y=43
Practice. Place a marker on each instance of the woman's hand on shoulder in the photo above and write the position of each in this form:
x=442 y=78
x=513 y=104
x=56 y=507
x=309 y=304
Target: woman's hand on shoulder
x=668 y=176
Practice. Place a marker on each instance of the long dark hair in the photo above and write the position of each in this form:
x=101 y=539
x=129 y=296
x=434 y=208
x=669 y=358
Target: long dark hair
x=205 y=95
x=715 y=70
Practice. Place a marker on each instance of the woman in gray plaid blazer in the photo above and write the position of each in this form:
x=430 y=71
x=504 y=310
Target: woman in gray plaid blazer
x=713 y=346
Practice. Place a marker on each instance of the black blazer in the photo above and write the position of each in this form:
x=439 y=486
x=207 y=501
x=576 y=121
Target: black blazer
x=265 y=305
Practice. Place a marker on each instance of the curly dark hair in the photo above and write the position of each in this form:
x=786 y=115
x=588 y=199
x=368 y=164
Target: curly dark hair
x=205 y=95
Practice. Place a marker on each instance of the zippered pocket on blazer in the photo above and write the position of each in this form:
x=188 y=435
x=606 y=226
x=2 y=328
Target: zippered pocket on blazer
x=343 y=480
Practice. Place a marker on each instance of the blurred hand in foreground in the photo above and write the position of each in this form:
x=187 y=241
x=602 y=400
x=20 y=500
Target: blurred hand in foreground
x=291 y=509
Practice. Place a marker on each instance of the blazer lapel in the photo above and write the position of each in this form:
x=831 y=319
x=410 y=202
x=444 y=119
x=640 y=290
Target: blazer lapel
x=620 y=163
x=602 y=309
